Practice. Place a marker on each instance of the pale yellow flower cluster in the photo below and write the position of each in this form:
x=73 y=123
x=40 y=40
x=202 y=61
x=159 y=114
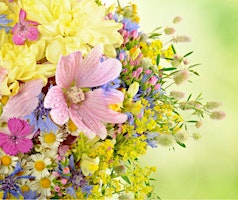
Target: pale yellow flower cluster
x=64 y=26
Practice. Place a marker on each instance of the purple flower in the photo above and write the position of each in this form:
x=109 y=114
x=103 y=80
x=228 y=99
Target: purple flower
x=3 y=23
x=9 y=183
x=18 y=139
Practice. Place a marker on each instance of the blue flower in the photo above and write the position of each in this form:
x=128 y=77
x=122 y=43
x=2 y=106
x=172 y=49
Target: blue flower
x=130 y=118
x=129 y=25
x=111 y=85
x=3 y=22
x=40 y=118
x=29 y=195
x=151 y=139
x=9 y=183
x=76 y=178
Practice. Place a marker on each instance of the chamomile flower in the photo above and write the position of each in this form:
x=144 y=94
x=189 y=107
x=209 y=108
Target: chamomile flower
x=50 y=140
x=7 y=163
x=37 y=165
x=43 y=186
x=25 y=185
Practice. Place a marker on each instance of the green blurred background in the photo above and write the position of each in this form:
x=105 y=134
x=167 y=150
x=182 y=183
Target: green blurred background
x=208 y=168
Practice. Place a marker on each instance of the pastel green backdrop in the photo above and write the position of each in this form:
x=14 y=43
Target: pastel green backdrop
x=208 y=168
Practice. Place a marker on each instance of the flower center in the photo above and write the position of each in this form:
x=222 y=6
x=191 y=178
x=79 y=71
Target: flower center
x=49 y=138
x=6 y=160
x=25 y=188
x=75 y=94
x=39 y=165
x=45 y=182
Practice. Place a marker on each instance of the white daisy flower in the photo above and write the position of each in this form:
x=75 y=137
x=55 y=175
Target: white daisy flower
x=37 y=166
x=43 y=186
x=51 y=140
x=25 y=184
x=7 y=163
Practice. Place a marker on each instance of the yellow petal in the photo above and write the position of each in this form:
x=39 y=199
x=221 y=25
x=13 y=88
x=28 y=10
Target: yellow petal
x=55 y=50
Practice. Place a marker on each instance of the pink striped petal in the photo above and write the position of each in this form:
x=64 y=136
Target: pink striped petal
x=24 y=102
x=18 y=127
x=100 y=73
x=3 y=73
x=55 y=100
x=92 y=59
x=97 y=104
x=81 y=120
x=68 y=69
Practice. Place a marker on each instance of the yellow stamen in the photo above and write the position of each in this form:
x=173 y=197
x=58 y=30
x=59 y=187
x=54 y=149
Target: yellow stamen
x=39 y=165
x=45 y=182
x=6 y=160
x=49 y=138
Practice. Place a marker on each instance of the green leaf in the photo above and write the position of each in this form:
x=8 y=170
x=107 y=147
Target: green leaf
x=189 y=97
x=158 y=59
x=181 y=144
x=188 y=54
x=168 y=58
x=192 y=121
x=173 y=49
x=169 y=69
x=126 y=179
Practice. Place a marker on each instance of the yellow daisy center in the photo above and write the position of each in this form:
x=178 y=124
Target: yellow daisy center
x=25 y=188
x=45 y=182
x=49 y=138
x=39 y=165
x=6 y=160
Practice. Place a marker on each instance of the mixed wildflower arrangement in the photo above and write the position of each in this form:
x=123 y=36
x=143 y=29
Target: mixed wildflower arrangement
x=84 y=93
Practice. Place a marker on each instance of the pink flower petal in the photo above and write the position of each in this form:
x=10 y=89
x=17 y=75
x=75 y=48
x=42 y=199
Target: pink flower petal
x=67 y=69
x=3 y=138
x=24 y=145
x=24 y=102
x=19 y=38
x=79 y=120
x=97 y=104
x=10 y=148
x=31 y=33
x=92 y=59
x=22 y=15
x=18 y=127
x=55 y=100
x=94 y=73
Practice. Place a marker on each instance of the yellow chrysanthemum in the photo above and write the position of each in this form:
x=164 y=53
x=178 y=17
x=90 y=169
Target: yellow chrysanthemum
x=21 y=65
x=70 y=25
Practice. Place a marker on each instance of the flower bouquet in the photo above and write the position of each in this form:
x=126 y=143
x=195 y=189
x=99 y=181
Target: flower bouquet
x=84 y=93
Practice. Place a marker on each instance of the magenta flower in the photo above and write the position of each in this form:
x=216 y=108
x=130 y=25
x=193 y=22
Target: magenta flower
x=24 y=29
x=88 y=110
x=18 y=139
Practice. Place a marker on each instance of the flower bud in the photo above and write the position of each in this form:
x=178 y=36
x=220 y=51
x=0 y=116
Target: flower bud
x=169 y=30
x=120 y=170
x=177 y=19
x=196 y=136
x=181 y=76
x=177 y=95
x=165 y=140
x=198 y=124
x=181 y=136
x=212 y=105
x=217 y=115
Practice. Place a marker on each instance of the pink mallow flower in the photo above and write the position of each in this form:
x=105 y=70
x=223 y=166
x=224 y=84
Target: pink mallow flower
x=17 y=138
x=88 y=110
x=24 y=29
